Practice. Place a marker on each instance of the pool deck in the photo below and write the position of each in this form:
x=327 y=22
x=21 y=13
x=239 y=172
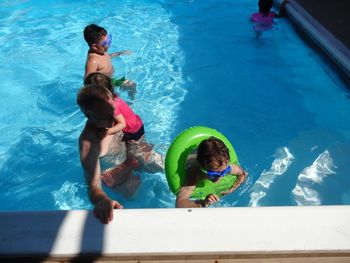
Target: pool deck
x=242 y=234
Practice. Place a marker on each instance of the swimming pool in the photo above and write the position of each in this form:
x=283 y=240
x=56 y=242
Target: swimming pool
x=283 y=108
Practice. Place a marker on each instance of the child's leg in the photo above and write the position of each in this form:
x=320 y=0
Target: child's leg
x=126 y=85
x=152 y=161
x=130 y=186
x=119 y=174
x=130 y=87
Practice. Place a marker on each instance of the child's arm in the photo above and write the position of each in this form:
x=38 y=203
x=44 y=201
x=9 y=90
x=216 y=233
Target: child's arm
x=119 y=126
x=183 y=198
x=184 y=194
x=90 y=67
x=117 y=54
x=241 y=176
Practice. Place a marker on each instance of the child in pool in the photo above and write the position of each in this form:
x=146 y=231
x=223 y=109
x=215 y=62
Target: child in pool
x=266 y=5
x=98 y=60
x=139 y=152
x=212 y=162
x=263 y=20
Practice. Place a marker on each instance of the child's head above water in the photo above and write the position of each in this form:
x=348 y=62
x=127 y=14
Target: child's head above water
x=212 y=154
x=100 y=79
x=93 y=34
x=265 y=6
x=97 y=38
x=96 y=102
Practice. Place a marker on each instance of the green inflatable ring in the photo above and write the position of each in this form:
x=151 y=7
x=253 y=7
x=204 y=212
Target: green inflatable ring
x=175 y=162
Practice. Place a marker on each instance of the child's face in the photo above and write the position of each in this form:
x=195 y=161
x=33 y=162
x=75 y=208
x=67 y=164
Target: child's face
x=215 y=171
x=104 y=43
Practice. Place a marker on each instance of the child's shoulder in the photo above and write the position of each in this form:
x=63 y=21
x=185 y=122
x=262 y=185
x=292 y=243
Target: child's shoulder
x=192 y=172
x=91 y=55
x=91 y=58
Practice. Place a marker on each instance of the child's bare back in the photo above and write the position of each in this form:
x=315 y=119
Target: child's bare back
x=98 y=63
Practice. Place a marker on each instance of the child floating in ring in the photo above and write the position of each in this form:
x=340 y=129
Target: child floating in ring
x=212 y=162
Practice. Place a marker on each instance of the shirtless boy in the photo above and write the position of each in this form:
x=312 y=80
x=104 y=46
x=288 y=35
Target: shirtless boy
x=98 y=60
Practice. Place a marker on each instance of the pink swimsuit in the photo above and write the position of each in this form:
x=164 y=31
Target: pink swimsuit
x=263 y=23
x=133 y=121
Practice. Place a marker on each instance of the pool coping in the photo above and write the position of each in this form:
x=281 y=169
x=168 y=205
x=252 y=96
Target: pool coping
x=179 y=234
x=331 y=46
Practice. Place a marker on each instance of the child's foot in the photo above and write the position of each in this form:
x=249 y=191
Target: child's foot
x=108 y=179
x=112 y=178
x=130 y=87
x=128 y=84
x=119 y=175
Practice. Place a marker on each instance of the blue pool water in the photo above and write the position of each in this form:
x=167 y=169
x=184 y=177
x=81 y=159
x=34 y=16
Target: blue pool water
x=196 y=63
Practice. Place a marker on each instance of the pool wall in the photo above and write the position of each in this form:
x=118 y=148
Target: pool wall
x=266 y=233
x=334 y=49
x=263 y=234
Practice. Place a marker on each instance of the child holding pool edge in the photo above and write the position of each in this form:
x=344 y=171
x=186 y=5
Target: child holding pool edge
x=212 y=162
x=98 y=60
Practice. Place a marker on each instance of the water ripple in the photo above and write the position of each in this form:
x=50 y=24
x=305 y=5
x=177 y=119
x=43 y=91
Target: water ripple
x=304 y=192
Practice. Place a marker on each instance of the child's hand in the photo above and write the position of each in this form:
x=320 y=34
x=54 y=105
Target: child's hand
x=210 y=199
x=117 y=54
x=125 y=52
x=111 y=131
x=241 y=176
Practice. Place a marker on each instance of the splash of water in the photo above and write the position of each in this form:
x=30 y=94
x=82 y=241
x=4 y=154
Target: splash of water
x=68 y=196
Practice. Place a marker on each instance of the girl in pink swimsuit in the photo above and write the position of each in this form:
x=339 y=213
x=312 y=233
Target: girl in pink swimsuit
x=139 y=152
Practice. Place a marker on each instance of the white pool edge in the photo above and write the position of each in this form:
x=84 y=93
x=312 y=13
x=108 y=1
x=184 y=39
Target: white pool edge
x=140 y=233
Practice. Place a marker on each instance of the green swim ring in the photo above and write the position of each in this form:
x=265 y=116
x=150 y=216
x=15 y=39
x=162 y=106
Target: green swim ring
x=175 y=162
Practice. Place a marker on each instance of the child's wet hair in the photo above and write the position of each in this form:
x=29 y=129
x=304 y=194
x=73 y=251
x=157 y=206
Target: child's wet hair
x=212 y=153
x=100 y=79
x=93 y=34
x=265 y=6
x=93 y=94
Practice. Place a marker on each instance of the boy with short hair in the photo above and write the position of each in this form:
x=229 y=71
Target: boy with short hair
x=98 y=60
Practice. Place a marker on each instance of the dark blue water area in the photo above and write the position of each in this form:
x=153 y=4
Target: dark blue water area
x=264 y=91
